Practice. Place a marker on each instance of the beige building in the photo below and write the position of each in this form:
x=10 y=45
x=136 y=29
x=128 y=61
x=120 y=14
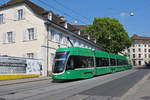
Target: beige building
x=139 y=52
x=27 y=30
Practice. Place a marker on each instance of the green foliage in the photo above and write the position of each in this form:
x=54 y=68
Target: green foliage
x=110 y=34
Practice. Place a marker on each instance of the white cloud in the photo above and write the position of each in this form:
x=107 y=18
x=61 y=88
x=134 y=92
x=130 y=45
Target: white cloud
x=123 y=14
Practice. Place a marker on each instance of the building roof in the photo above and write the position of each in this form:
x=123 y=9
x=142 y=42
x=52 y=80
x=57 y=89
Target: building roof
x=43 y=13
x=59 y=20
x=136 y=37
x=80 y=26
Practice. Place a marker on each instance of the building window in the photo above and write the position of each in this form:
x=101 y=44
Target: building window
x=133 y=55
x=145 y=55
x=64 y=40
x=145 y=50
x=60 y=37
x=2 y=19
x=145 y=45
x=19 y=14
x=133 y=50
x=55 y=36
x=148 y=45
x=9 y=37
x=30 y=55
x=134 y=63
x=139 y=50
x=148 y=50
x=149 y=55
x=128 y=50
x=139 y=62
x=51 y=34
x=139 y=45
x=139 y=55
x=129 y=55
x=30 y=34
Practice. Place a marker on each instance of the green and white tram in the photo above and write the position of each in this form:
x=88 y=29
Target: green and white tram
x=79 y=63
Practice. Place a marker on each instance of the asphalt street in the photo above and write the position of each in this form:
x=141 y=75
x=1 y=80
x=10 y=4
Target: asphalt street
x=106 y=87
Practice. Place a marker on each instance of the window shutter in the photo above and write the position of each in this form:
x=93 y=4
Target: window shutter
x=64 y=40
x=13 y=36
x=25 y=35
x=35 y=33
x=16 y=15
x=23 y=17
x=4 y=37
x=57 y=37
x=49 y=34
x=4 y=18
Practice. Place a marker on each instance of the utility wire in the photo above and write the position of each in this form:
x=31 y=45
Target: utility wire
x=50 y=6
x=71 y=10
x=136 y=10
x=3 y=1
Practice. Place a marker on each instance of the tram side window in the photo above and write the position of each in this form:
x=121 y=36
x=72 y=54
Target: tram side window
x=105 y=61
x=100 y=62
x=79 y=62
x=121 y=62
x=118 y=62
x=112 y=62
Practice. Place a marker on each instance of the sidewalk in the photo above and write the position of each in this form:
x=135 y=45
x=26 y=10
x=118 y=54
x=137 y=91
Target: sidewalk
x=24 y=80
x=141 y=91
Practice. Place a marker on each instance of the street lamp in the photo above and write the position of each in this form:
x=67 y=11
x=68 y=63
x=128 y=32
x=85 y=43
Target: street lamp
x=131 y=13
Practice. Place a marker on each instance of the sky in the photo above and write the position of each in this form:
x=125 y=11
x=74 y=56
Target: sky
x=84 y=11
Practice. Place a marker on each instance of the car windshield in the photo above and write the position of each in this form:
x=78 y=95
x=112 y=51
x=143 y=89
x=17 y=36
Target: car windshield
x=60 y=60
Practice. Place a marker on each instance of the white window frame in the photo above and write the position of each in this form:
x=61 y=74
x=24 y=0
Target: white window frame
x=64 y=40
x=17 y=15
x=7 y=38
x=27 y=36
x=56 y=37
x=2 y=18
x=31 y=55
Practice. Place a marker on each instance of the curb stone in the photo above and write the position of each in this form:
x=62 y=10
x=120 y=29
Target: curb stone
x=5 y=82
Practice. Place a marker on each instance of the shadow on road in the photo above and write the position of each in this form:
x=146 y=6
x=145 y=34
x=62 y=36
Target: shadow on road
x=64 y=81
x=144 y=67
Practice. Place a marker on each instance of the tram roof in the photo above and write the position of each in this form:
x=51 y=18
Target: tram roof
x=89 y=52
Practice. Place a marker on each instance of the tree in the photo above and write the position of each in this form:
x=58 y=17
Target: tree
x=110 y=34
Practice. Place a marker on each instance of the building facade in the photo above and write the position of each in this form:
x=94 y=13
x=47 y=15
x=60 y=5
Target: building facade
x=27 y=30
x=139 y=52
